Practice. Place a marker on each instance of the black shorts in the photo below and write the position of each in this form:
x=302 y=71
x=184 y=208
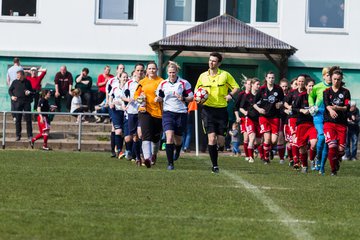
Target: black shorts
x=150 y=127
x=174 y=121
x=133 y=123
x=215 y=120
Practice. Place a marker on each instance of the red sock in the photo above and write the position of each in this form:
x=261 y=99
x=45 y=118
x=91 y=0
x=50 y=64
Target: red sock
x=251 y=151
x=312 y=154
x=295 y=152
x=261 y=151
x=267 y=149
x=332 y=156
x=281 y=151
x=289 y=152
x=38 y=136
x=303 y=158
x=246 y=149
x=45 y=140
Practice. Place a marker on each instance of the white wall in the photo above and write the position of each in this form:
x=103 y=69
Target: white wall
x=68 y=26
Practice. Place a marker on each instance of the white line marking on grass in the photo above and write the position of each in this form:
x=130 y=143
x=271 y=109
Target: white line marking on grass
x=260 y=187
x=293 y=224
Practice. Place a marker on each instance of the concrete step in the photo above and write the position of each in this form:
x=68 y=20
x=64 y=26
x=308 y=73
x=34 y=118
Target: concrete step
x=97 y=136
x=60 y=144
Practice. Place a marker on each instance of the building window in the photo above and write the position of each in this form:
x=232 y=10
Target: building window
x=115 y=11
x=267 y=11
x=206 y=9
x=240 y=9
x=178 y=10
x=18 y=8
x=326 y=14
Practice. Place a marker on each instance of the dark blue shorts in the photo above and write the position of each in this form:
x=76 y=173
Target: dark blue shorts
x=126 y=127
x=174 y=121
x=133 y=123
x=117 y=118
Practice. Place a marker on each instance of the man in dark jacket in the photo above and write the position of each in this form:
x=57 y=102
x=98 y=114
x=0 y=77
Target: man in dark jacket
x=353 y=119
x=21 y=94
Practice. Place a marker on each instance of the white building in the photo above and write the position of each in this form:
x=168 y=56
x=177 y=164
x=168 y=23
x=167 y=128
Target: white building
x=95 y=33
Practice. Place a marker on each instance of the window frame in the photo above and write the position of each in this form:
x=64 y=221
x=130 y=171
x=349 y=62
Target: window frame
x=325 y=30
x=130 y=22
x=22 y=19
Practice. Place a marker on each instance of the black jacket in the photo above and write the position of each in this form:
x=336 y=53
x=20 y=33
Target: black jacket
x=18 y=89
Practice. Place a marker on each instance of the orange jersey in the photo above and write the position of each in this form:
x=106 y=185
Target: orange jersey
x=149 y=86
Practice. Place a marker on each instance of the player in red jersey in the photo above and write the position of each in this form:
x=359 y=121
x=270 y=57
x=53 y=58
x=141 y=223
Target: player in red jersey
x=305 y=129
x=268 y=101
x=337 y=104
x=240 y=118
x=252 y=120
x=283 y=120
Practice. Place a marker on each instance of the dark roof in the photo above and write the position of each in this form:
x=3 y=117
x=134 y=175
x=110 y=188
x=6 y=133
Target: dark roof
x=224 y=34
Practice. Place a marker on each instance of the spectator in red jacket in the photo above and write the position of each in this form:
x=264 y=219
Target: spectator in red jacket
x=101 y=83
x=35 y=79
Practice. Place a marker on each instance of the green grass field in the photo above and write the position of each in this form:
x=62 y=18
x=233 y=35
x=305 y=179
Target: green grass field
x=73 y=195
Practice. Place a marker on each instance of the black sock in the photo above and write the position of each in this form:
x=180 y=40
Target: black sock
x=121 y=143
x=129 y=146
x=112 y=142
x=137 y=150
x=213 y=152
x=118 y=144
x=170 y=153
x=177 y=151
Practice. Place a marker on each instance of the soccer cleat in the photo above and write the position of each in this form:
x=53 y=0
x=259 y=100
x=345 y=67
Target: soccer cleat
x=153 y=159
x=251 y=160
x=247 y=159
x=282 y=161
x=296 y=166
x=121 y=155
x=291 y=163
x=138 y=163
x=147 y=163
x=32 y=143
x=113 y=155
x=266 y=161
x=46 y=148
x=334 y=173
x=304 y=169
x=170 y=167
x=215 y=170
x=321 y=173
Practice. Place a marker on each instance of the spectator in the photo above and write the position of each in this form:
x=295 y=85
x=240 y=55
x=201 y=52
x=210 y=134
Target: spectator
x=101 y=83
x=11 y=76
x=76 y=104
x=20 y=92
x=101 y=108
x=35 y=80
x=352 y=133
x=234 y=133
x=63 y=84
x=189 y=126
x=84 y=83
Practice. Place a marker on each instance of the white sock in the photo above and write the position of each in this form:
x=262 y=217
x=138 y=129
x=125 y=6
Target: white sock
x=146 y=148
x=155 y=147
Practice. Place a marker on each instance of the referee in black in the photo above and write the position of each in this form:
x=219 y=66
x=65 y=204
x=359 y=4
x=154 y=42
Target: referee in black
x=21 y=94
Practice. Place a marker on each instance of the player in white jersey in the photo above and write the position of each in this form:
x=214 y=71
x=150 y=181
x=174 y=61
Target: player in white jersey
x=132 y=111
x=174 y=92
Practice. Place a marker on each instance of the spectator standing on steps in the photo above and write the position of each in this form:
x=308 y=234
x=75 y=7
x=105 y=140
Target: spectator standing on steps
x=63 y=84
x=11 y=76
x=21 y=92
x=35 y=80
x=353 y=119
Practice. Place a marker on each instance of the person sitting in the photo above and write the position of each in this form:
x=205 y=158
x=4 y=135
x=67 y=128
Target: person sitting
x=76 y=105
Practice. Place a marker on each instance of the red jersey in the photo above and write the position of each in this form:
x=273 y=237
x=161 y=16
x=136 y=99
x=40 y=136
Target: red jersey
x=36 y=81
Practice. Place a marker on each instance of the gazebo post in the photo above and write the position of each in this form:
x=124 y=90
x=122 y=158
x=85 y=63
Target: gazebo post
x=160 y=61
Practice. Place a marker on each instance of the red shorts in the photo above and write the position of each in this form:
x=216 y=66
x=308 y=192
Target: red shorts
x=287 y=133
x=304 y=133
x=292 y=125
x=253 y=127
x=335 y=132
x=43 y=126
x=269 y=125
x=242 y=125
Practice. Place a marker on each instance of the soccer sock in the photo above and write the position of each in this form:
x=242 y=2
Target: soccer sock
x=146 y=149
x=289 y=152
x=45 y=139
x=155 y=147
x=137 y=150
x=170 y=153
x=251 y=151
x=118 y=143
x=281 y=151
x=38 y=136
x=112 y=142
x=129 y=146
x=246 y=146
x=312 y=154
x=332 y=156
x=303 y=159
x=261 y=151
x=267 y=149
x=213 y=152
x=295 y=152
x=177 y=151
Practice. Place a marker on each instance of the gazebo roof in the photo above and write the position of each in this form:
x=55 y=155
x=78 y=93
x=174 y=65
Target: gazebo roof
x=224 y=34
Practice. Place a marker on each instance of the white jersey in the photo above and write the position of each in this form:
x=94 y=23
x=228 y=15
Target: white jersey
x=113 y=82
x=116 y=94
x=132 y=107
x=170 y=102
